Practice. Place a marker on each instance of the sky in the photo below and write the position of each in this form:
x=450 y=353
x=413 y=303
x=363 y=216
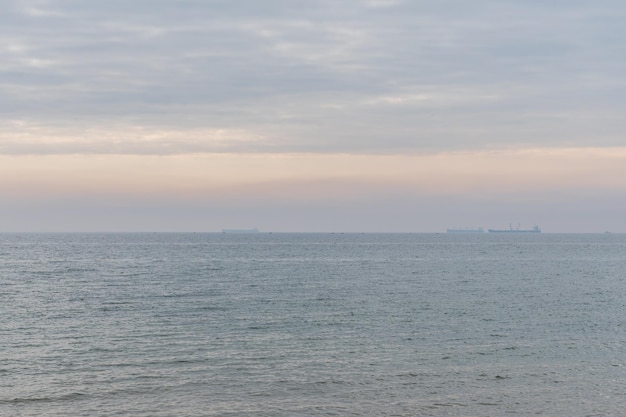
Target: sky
x=312 y=116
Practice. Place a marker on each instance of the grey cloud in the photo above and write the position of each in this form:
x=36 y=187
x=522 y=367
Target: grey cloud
x=317 y=76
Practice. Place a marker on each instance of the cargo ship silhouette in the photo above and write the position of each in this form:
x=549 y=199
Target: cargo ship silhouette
x=535 y=229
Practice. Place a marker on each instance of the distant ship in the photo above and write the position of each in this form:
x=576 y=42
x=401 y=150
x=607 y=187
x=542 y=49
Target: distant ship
x=466 y=230
x=535 y=229
x=255 y=230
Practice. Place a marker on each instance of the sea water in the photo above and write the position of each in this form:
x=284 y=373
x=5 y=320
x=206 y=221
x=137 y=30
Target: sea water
x=312 y=325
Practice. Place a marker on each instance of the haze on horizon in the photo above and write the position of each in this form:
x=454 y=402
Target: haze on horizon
x=360 y=115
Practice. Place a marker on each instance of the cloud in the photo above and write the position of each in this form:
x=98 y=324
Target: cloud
x=358 y=76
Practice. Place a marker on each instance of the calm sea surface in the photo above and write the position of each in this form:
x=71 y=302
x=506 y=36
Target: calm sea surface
x=312 y=325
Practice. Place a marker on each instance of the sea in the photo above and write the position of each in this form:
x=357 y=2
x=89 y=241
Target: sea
x=277 y=324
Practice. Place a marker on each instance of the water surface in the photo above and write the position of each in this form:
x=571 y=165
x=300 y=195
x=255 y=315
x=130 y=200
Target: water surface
x=312 y=324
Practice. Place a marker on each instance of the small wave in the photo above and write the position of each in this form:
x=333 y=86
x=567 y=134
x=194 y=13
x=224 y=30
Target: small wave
x=25 y=400
x=437 y=405
x=212 y=308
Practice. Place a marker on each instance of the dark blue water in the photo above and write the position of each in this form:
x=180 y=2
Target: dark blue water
x=312 y=325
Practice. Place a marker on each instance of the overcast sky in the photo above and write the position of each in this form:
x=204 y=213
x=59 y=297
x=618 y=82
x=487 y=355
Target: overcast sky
x=355 y=115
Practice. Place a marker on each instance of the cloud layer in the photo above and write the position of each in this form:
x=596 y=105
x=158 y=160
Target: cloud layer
x=172 y=77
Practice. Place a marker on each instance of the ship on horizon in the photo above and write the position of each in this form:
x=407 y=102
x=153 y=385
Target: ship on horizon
x=535 y=229
x=466 y=230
